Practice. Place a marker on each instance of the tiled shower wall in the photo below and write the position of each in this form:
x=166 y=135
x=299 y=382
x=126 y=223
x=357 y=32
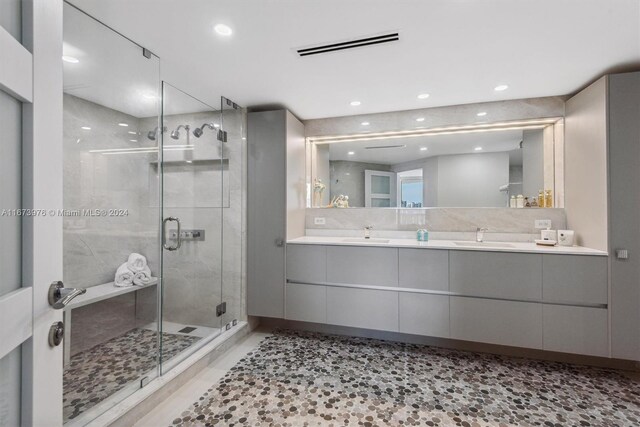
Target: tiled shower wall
x=95 y=246
x=517 y=224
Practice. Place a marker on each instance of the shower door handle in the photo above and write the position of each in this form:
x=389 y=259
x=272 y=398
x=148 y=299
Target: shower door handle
x=164 y=234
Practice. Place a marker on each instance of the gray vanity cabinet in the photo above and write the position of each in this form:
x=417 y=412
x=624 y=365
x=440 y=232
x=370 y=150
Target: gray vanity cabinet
x=307 y=263
x=580 y=330
x=496 y=274
x=424 y=269
x=362 y=308
x=306 y=303
x=359 y=265
x=424 y=314
x=492 y=321
x=574 y=279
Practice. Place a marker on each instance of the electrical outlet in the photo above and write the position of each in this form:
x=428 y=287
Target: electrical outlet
x=542 y=224
x=319 y=220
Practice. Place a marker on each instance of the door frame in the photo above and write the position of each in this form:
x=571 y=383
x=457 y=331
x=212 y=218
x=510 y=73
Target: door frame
x=32 y=73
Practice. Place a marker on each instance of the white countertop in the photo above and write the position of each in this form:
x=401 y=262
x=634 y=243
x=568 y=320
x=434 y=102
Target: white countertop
x=489 y=246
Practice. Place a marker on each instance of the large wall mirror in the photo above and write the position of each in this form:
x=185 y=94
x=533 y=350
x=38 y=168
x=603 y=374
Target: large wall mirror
x=466 y=166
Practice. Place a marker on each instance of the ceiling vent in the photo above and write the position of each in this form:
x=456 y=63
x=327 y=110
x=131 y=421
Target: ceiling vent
x=351 y=44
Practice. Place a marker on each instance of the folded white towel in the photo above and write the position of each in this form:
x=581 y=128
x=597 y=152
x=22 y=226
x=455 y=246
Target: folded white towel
x=124 y=276
x=136 y=262
x=142 y=278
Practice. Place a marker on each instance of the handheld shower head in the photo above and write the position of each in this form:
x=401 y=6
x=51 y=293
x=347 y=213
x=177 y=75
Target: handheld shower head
x=197 y=132
x=175 y=134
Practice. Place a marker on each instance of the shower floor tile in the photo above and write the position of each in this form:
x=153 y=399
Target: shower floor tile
x=95 y=374
x=310 y=379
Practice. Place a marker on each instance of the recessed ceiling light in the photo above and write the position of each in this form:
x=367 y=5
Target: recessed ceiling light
x=215 y=125
x=482 y=114
x=85 y=128
x=123 y=124
x=189 y=161
x=423 y=148
x=70 y=59
x=420 y=119
x=351 y=153
x=365 y=123
x=423 y=96
x=223 y=30
x=500 y=88
x=478 y=148
x=133 y=140
x=132 y=132
x=355 y=103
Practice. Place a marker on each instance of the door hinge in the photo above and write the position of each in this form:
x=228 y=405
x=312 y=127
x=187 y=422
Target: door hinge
x=222 y=135
x=144 y=381
x=221 y=309
x=146 y=53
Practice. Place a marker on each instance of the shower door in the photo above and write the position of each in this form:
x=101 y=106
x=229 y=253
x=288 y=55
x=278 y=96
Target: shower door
x=193 y=170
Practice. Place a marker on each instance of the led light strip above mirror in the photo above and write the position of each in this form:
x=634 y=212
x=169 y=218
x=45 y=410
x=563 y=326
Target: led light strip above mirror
x=485 y=127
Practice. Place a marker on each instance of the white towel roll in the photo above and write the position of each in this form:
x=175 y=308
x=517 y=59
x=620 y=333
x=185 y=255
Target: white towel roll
x=136 y=262
x=124 y=276
x=142 y=278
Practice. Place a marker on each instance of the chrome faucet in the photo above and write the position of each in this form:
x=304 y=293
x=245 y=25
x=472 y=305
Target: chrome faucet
x=480 y=234
x=367 y=231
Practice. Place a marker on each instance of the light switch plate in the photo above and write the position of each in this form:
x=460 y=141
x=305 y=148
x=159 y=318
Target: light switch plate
x=319 y=220
x=542 y=224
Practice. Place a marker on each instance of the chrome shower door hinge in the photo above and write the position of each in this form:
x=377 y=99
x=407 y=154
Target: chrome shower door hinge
x=221 y=309
x=144 y=381
x=222 y=135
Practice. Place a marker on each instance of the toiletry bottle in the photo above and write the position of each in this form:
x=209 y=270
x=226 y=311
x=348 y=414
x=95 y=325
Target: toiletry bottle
x=520 y=201
x=422 y=235
x=527 y=203
x=534 y=202
x=512 y=202
x=541 y=199
x=548 y=199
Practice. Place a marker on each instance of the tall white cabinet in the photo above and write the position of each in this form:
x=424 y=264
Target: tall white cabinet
x=275 y=204
x=602 y=194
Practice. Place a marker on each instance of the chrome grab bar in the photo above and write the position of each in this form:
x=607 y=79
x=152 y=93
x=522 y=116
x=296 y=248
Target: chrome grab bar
x=164 y=234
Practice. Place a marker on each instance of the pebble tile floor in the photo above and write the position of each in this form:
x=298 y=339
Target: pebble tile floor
x=97 y=373
x=310 y=379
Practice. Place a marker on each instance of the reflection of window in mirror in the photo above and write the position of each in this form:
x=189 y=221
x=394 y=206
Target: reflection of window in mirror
x=410 y=189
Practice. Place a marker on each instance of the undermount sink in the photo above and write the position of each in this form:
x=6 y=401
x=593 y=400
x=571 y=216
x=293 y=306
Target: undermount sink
x=363 y=240
x=485 y=244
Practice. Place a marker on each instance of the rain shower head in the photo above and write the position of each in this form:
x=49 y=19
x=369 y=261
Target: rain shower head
x=175 y=134
x=197 y=132
x=153 y=134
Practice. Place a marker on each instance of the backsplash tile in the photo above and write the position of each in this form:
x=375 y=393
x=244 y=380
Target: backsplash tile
x=496 y=220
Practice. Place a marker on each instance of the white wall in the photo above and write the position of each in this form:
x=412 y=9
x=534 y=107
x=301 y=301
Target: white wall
x=472 y=180
x=532 y=162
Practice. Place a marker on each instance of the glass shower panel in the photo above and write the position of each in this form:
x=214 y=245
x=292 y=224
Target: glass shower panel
x=233 y=219
x=111 y=103
x=192 y=170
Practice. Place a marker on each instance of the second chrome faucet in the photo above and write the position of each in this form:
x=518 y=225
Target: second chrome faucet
x=367 y=231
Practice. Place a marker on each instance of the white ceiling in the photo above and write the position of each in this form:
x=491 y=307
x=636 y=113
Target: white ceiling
x=456 y=50
x=437 y=145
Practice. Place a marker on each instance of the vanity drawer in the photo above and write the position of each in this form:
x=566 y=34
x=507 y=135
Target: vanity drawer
x=362 y=265
x=496 y=274
x=575 y=279
x=510 y=323
x=362 y=308
x=424 y=269
x=581 y=330
x=306 y=263
x=307 y=303
x=423 y=314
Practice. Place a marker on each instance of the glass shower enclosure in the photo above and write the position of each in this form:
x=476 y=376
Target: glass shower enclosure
x=153 y=218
